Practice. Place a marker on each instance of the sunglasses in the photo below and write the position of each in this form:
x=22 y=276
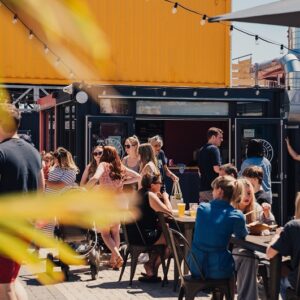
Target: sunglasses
x=158 y=182
x=97 y=153
x=127 y=146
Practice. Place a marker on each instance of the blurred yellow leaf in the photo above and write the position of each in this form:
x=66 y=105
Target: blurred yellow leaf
x=73 y=207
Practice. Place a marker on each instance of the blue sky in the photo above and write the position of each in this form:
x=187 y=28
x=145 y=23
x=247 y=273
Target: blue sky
x=243 y=44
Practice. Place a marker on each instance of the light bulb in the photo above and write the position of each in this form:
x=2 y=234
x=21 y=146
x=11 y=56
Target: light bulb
x=203 y=20
x=57 y=62
x=46 y=49
x=281 y=49
x=71 y=74
x=15 y=19
x=230 y=30
x=30 y=35
x=174 y=9
x=257 y=40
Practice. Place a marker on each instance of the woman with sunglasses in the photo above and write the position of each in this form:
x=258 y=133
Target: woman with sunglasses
x=149 y=230
x=246 y=261
x=63 y=173
x=91 y=168
x=112 y=174
x=131 y=160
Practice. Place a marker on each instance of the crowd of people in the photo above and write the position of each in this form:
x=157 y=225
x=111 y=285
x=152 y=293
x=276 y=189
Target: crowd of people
x=227 y=203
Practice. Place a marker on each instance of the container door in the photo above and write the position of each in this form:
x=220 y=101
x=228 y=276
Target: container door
x=270 y=131
x=108 y=130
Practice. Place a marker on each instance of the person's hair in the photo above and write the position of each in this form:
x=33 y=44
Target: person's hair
x=110 y=156
x=93 y=163
x=255 y=148
x=65 y=159
x=254 y=172
x=251 y=207
x=230 y=170
x=134 y=141
x=147 y=154
x=231 y=188
x=10 y=118
x=149 y=179
x=213 y=131
x=297 y=206
x=156 y=139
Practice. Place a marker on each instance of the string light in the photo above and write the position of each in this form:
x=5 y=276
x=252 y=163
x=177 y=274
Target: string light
x=57 y=62
x=46 y=49
x=174 y=9
x=30 y=36
x=15 y=19
x=203 y=20
x=232 y=27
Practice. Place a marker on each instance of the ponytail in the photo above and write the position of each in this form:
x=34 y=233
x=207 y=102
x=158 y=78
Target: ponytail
x=230 y=187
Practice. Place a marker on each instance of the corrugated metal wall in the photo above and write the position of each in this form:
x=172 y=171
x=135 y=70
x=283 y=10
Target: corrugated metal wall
x=149 y=46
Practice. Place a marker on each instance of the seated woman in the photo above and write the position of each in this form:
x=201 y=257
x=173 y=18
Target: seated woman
x=216 y=221
x=246 y=261
x=288 y=244
x=148 y=223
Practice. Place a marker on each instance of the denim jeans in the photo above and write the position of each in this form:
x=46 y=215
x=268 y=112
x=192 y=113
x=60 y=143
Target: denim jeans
x=284 y=284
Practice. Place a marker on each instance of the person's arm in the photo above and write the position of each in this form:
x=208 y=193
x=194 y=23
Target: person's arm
x=170 y=174
x=266 y=215
x=99 y=172
x=216 y=159
x=131 y=176
x=85 y=175
x=291 y=151
x=240 y=229
x=41 y=180
x=165 y=197
x=271 y=252
x=216 y=169
x=158 y=205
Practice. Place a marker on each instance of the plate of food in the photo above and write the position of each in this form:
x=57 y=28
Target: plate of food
x=256 y=228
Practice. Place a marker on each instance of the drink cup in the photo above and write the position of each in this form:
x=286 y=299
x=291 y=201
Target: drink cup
x=181 y=209
x=193 y=209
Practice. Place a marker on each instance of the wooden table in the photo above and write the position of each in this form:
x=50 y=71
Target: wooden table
x=260 y=244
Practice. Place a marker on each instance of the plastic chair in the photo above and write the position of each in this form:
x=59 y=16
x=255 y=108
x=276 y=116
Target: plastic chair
x=190 y=286
x=134 y=250
x=294 y=294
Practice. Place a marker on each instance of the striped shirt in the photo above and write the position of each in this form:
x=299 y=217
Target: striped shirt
x=67 y=176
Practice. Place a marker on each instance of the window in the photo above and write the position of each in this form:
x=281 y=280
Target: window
x=182 y=108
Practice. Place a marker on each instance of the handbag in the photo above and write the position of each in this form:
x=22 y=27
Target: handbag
x=176 y=194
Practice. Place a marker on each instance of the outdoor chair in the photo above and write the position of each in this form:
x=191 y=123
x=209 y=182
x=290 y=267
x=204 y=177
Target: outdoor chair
x=189 y=285
x=165 y=229
x=294 y=294
x=134 y=250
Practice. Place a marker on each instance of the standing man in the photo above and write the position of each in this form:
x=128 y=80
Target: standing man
x=20 y=171
x=209 y=161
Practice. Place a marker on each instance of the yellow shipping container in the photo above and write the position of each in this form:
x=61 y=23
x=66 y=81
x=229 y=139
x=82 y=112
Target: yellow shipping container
x=148 y=45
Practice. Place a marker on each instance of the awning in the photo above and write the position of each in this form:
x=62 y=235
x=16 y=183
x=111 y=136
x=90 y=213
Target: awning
x=283 y=13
